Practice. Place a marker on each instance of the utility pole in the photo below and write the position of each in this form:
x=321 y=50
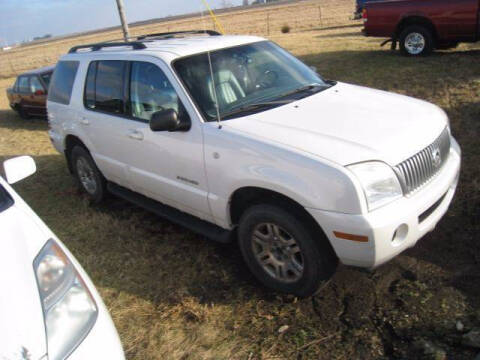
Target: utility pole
x=123 y=19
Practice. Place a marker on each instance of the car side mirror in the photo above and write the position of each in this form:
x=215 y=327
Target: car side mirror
x=314 y=69
x=169 y=120
x=19 y=168
x=39 y=92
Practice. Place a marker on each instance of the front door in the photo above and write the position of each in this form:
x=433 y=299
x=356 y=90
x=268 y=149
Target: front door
x=166 y=166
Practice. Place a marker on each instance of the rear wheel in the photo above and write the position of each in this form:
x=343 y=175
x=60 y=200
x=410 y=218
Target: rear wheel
x=22 y=112
x=282 y=252
x=416 y=40
x=89 y=178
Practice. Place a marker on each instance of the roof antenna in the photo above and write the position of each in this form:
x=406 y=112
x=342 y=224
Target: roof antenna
x=219 y=120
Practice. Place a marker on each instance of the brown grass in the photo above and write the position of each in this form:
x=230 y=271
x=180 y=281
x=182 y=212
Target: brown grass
x=261 y=21
x=174 y=295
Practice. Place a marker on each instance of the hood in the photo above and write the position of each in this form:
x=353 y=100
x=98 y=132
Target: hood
x=22 y=329
x=347 y=124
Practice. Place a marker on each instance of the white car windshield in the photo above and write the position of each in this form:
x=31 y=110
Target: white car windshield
x=5 y=199
x=246 y=79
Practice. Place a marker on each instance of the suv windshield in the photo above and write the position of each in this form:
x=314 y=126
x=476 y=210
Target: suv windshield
x=246 y=79
x=5 y=200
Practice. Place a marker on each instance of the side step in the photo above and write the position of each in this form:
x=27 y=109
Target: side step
x=193 y=223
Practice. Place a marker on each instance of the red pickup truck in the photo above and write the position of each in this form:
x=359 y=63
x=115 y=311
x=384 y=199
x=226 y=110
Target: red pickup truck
x=420 y=26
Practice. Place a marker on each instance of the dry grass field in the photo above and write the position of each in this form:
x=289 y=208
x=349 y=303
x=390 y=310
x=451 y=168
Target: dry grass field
x=174 y=295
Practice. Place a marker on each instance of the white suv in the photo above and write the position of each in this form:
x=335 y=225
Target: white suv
x=235 y=138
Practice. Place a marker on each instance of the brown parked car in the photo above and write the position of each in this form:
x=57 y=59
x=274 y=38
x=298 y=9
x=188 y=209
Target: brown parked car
x=28 y=96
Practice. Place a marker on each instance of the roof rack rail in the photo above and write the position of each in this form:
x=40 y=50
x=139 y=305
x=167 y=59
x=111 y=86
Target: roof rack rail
x=168 y=35
x=136 y=45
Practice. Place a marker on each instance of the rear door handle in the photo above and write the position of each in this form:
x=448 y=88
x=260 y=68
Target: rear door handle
x=135 y=135
x=84 y=121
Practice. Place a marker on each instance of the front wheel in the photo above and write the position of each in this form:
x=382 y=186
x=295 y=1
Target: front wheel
x=282 y=252
x=416 y=40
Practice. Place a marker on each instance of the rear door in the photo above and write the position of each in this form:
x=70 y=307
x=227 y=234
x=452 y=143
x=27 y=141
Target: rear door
x=104 y=120
x=38 y=96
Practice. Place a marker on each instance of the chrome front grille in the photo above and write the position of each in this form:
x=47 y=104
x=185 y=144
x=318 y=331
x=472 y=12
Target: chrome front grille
x=423 y=166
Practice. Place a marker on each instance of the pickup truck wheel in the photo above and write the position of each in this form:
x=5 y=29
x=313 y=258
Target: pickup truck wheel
x=282 y=253
x=416 y=40
x=22 y=113
x=89 y=178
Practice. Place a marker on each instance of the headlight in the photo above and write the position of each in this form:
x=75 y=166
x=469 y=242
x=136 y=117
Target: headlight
x=379 y=182
x=68 y=307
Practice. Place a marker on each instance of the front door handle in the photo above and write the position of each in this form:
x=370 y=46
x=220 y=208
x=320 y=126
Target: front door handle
x=84 y=121
x=135 y=135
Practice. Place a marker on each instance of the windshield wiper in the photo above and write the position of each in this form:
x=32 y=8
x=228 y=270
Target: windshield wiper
x=309 y=87
x=255 y=106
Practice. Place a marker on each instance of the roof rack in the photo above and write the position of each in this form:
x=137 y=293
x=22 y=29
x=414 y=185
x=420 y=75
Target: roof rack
x=169 y=35
x=136 y=45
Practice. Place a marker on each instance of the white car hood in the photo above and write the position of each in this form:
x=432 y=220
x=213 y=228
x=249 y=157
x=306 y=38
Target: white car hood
x=349 y=124
x=22 y=329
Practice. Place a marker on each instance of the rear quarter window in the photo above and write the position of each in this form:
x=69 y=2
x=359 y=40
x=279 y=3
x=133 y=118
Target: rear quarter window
x=62 y=82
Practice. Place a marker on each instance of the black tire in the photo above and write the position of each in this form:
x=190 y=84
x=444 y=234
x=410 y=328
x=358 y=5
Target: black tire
x=22 y=113
x=86 y=172
x=412 y=31
x=319 y=261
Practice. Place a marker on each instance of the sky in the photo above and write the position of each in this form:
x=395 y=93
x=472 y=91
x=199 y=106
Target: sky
x=24 y=19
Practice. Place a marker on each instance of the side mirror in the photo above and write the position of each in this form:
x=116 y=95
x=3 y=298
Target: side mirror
x=39 y=92
x=19 y=168
x=314 y=69
x=168 y=120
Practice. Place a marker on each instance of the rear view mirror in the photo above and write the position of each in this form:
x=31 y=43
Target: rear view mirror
x=19 y=168
x=168 y=120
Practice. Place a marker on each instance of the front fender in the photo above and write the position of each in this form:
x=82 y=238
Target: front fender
x=234 y=160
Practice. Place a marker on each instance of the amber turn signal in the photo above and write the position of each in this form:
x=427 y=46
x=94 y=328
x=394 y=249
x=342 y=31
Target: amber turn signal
x=352 y=237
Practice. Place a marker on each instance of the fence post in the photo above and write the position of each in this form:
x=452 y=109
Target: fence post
x=268 y=23
x=320 y=15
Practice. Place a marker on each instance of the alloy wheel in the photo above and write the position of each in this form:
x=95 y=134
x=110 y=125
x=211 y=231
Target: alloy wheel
x=277 y=252
x=86 y=175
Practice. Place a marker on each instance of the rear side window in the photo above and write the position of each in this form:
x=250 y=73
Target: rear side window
x=109 y=86
x=62 y=82
x=23 y=85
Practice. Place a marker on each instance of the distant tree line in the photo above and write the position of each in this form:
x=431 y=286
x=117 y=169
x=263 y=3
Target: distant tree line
x=46 y=36
x=254 y=2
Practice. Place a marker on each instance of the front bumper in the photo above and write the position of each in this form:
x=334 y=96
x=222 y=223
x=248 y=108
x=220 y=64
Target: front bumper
x=397 y=226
